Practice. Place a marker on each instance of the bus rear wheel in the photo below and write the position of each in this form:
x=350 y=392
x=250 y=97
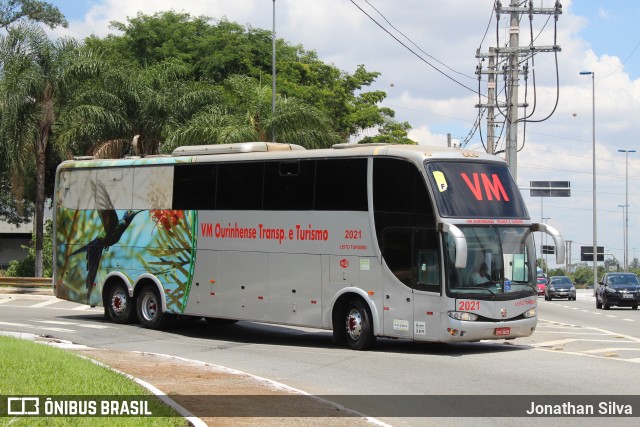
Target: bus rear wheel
x=149 y=308
x=358 y=325
x=119 y=305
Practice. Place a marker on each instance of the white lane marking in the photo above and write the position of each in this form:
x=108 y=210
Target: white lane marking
x=611 y=349
x=44 y=303
x=26 y=325
x=81 y=325
x=16 y=324
x=2 y=301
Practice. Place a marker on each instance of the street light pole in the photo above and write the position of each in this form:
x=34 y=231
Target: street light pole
x=626 y=205
x=593 y=124
x=273 y=75
x=624 y=234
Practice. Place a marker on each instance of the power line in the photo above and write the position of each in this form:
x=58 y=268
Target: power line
x=413 y=43
x=412 y=51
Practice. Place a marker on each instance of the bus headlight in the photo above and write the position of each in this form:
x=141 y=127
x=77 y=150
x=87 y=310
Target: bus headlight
x=530 y=313
x=461 y=315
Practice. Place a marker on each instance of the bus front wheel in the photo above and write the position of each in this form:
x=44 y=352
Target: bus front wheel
x=119 y=305
x=358 y=325
x=149 y=307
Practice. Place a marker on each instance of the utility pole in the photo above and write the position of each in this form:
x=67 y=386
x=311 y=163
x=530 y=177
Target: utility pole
x=491 y=94
x=514 y=71
x=512 y=55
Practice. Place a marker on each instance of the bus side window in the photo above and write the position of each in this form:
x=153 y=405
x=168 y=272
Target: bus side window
x=396 y=251
x=412 y=256
x=428 y=271
x=341 y=185
x=425 y=250
x=194 y=186
x=240 y=186
x=288 y=185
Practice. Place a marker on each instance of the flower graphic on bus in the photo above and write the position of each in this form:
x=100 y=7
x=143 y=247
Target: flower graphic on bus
x=165 y=218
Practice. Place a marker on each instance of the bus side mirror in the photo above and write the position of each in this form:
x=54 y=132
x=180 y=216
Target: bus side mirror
x=557 y=239
x=460 y=242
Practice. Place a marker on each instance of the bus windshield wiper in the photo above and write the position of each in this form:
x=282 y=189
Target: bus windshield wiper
x=483 y=288
x=528 y=284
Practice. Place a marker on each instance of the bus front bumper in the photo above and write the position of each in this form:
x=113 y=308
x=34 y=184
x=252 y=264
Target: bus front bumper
x=464 y=331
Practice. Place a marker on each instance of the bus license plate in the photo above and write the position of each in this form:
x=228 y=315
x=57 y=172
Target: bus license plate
x=503 y=331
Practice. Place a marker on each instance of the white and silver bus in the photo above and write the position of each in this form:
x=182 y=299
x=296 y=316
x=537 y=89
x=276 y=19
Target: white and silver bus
x=364 y=240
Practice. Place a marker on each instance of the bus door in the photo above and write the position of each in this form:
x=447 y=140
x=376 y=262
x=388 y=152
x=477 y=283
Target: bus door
x=398 y=297
x=412 y=298
x=427 y=287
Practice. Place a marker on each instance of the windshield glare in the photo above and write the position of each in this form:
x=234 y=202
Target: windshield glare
x=498 y=264
x=623 y=280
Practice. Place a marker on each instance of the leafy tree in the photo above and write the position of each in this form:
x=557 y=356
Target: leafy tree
x=14 y=210
x=34 y=73
x=583 y=274
x=247 y=117
x=105 y=113
x=215 y=51
x=12 y=11
x=391 y=132
x=26 y=267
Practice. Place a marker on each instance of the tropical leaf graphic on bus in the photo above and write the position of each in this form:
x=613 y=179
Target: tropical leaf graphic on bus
x=172 y=255
x=71 y=225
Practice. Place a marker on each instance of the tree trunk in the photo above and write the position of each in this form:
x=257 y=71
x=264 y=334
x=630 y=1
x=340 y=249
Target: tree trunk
x=41 y=148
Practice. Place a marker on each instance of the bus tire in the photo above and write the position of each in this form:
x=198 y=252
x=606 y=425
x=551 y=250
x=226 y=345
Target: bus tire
x=358 y=325
x=149 y=308
x=119 y=306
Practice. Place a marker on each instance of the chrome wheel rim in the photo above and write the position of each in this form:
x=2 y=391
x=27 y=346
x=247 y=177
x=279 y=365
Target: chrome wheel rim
x=119 y=301
x=354 y=324
x=149 y=307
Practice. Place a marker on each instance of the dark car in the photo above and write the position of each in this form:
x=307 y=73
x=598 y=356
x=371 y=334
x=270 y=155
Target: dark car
x=560 y=287
x=619 y=289
x=542 y=285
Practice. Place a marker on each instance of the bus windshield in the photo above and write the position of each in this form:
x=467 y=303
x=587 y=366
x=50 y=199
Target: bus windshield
x=499 y=264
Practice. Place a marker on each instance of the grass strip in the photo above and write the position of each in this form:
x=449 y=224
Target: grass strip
x=32 y=369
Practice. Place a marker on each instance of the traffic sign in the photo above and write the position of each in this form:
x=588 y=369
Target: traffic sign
x=586 y=253
x=550 y=189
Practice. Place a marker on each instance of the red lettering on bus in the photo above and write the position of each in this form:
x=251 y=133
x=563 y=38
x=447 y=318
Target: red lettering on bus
x=475 y=187
x=492 y=187
x=206 y=229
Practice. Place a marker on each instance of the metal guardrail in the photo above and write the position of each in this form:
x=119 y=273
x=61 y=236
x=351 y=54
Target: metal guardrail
x=26 y=282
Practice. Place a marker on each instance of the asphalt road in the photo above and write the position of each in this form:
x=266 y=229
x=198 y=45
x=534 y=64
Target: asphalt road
x=576 y=350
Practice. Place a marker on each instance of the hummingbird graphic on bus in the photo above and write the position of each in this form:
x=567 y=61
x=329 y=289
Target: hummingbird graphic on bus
x=114 y=228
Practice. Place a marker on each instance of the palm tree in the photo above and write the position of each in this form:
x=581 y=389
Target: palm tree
x=246 y=116
x=125 y=101
x=33 y=75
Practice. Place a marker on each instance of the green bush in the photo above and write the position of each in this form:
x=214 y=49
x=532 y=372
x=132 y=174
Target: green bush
x=27 y=267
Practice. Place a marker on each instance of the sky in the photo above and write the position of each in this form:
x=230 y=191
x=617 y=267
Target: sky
x=427 y=60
